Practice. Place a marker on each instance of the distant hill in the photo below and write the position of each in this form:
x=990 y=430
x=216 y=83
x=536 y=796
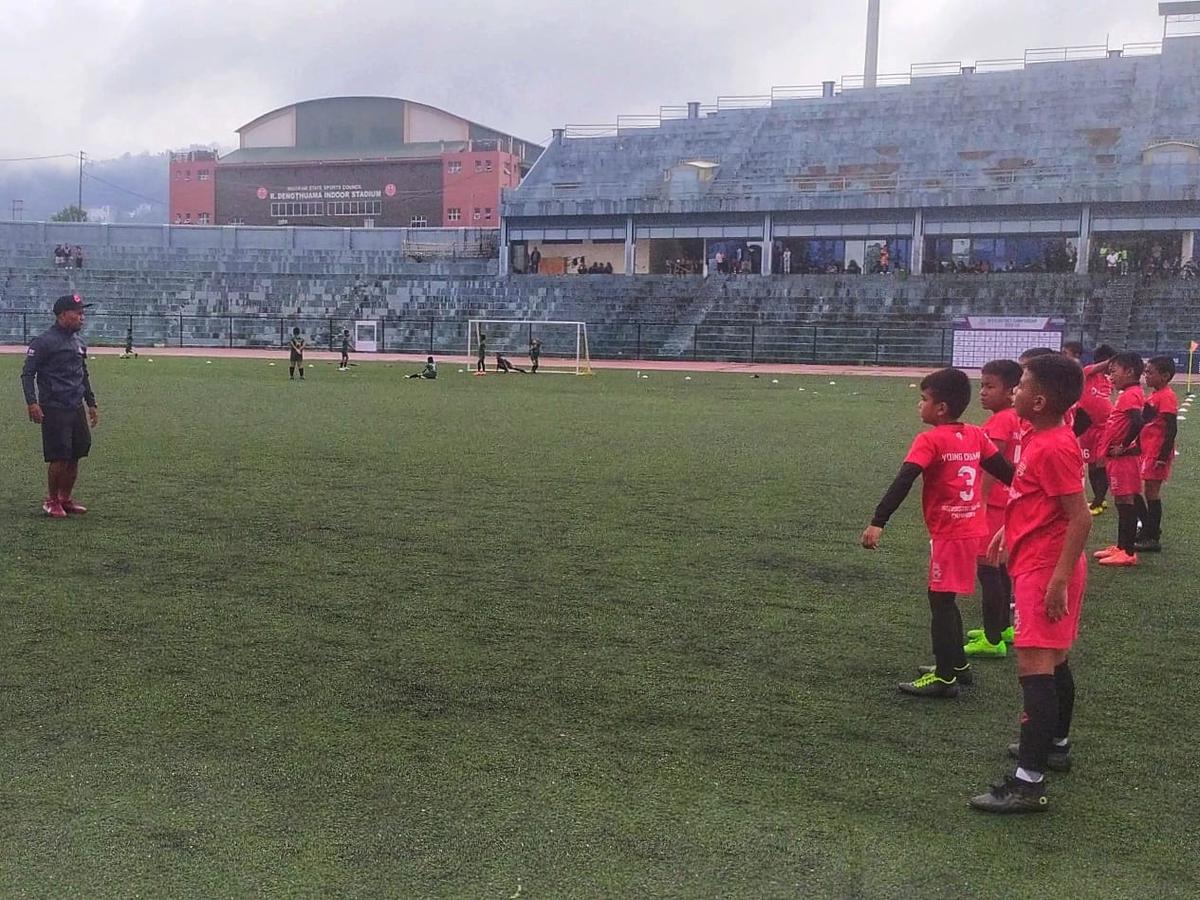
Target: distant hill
x=132 y=187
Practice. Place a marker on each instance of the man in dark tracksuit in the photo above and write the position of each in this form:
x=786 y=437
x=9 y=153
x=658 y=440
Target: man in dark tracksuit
x=57 y=388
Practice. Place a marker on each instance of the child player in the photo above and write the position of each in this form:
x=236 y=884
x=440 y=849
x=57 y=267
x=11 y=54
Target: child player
x=1123 y=457
x=345 y=363
x=948 y=457
x=1046 y=527
x=295 y=355
x=1091 y=414
x=999 y=380
x=1160 y=415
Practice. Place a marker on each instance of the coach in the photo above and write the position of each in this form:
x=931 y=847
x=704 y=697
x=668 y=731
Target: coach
x=56 y=385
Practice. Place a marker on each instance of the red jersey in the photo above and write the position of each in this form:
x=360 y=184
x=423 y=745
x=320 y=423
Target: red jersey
x=1117 y=425
x=1154 y=435
x=950 y=457
x=1005 y=426
x=1051 y=466
x=1096 y=399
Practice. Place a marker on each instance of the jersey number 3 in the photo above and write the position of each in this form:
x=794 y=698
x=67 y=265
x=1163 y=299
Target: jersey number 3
x=969 y=474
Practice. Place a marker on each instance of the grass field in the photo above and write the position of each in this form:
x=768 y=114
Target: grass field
x=552 y=637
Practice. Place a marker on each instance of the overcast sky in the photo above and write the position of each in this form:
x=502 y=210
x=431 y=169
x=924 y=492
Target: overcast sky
x=111 y=76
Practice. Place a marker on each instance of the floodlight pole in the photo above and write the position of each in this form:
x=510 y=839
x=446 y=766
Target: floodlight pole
x=871 y=68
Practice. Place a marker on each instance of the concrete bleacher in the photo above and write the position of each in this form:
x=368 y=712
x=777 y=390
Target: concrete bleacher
x=1061 y=132
x=862 y=319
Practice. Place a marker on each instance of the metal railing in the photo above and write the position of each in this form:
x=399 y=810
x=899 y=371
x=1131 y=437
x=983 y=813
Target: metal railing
x=782 y=93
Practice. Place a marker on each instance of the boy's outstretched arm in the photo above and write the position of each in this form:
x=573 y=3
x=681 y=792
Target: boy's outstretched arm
x=999 y=468
x=909 y=473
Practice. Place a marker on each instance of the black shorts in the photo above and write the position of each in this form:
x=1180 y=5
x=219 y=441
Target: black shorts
x=65 y=434
x=297 y=358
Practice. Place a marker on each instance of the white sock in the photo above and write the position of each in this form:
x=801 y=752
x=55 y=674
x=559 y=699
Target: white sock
x=1031 y=777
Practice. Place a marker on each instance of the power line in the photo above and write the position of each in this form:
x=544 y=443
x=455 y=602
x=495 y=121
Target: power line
x=125 y=190
x=36 y=158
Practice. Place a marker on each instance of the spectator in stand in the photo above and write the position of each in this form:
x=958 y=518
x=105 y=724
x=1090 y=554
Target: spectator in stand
x=535 y=260
x=853 y=268
x=608 y=268
x=77 y=256
x=787 y=262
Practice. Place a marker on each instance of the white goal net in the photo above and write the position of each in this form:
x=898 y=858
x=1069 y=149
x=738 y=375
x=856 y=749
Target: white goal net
x=551 y=346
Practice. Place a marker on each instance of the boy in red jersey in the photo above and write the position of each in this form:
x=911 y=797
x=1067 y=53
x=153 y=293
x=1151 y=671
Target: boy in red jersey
x=1160 y=415
x=1046 y=527
x=999 y=380
x=1091 y=414
x=949 y=456
x=1123 y=457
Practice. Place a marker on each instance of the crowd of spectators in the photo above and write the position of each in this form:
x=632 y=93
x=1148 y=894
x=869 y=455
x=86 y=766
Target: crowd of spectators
x=67 y=257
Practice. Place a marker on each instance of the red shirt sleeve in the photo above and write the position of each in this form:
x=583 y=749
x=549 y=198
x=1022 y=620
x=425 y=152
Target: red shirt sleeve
x=1061 y=471
x=923 y=451
x=1167 y=403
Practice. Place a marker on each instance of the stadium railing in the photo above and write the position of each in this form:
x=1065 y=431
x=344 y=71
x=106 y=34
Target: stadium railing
x=822 y=342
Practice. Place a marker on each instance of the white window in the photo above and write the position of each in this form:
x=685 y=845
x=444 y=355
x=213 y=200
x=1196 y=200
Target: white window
x=454 y=214
x=354 y=207
x=487 y=212
x=202 y=218
x=306 y=208
x=202 y=175
x=454 y=168
x=237 y=220
x=478 y=214
x=418 y=222
x=487 y=165
x=479 y=165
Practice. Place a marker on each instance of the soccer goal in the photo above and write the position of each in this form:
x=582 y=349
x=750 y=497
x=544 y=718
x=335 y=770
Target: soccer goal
x=563 y=345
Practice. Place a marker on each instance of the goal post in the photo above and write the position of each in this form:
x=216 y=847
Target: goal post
x=563 y=345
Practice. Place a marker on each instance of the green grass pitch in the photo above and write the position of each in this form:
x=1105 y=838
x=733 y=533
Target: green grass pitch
x=540 y=637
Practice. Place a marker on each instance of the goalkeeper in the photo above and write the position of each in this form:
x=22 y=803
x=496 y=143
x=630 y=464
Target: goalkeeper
x=503 y=366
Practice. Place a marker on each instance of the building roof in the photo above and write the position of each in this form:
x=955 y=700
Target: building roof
x=285 y=155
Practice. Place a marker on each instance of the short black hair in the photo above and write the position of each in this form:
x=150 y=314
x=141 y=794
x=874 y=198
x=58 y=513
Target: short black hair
x=1103 y=352
x=295 y=331
x=1164 y=364
x=1073 y=347
x=949 y=386
x=1127 y=359
x=1007 y=370
x=1034 y=352
x=1059 y=378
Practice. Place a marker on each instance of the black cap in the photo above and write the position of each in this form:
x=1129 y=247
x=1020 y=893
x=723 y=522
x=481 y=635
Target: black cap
x=69 y=301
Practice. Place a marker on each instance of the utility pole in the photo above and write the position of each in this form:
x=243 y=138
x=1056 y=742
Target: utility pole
x=79 y=204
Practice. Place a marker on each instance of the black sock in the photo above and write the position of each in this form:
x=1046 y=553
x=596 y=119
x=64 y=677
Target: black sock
x=1126 y=527
x=1064 y=684
x=1143 y=514
x=995 y=601
x=945 y=628
x=1039 y=721
x=291 y=371
x=1098 y=476
x=1153 y=529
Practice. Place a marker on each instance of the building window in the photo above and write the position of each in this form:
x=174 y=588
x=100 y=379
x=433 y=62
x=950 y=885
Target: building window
x=487 y=212
x=478 y=214
x=307 y=208
x=202 y=175
x=354 y=207
x=187 y=176
x=454 y=214
x=179 y=174
x=454 y=168
x=202 y=218
x=237 y=220
x=487 y=165
x=479 y=165
x=418 y=222
x=187 y=218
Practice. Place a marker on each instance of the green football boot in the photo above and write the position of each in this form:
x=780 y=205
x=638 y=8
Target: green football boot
x=1006 y=635
x=981 y=646
x=963 y=676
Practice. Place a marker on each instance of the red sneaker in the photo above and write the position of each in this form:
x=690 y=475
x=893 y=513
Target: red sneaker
x=1107 y=551
x=1120 y=558
x=70 y=506
x=52 y=508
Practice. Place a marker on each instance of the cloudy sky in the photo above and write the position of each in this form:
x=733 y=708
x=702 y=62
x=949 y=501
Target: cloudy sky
x=111 y=76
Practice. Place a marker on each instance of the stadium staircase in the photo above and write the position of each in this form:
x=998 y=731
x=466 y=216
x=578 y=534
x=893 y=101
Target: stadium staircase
x=1117 y=311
